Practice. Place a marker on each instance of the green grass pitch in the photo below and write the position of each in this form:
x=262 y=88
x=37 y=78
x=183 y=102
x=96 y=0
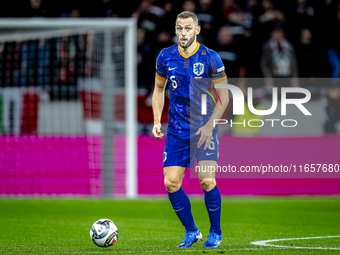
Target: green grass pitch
x=61 y=226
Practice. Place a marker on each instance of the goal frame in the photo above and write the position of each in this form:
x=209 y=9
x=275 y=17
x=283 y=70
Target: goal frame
x=67 y=26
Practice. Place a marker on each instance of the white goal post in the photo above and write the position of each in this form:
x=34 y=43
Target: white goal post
x=21 y=29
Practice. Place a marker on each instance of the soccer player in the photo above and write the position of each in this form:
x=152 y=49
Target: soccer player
x=179 y=64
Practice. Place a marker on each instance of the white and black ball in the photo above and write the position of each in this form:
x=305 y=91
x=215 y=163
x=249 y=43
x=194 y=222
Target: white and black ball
x=104 y=233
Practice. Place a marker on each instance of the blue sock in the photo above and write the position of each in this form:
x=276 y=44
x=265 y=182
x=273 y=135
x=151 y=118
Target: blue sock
x=181 y=204
x=212 y=200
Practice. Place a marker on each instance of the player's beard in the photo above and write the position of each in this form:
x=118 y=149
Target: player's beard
x=190 y=41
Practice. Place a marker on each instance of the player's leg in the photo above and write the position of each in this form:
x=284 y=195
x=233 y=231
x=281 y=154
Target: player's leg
x=173 y=176
x=212 y=199
x=180 y=202
x=207 y=161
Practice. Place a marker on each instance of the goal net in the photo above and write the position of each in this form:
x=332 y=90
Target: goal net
x=68 y=107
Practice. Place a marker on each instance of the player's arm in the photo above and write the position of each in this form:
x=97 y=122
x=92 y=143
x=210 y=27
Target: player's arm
x=157 y=106
x=218 y=76
x=206 y=130
x=219 y=109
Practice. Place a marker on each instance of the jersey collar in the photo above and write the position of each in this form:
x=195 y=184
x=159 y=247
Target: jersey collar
x=185 y=56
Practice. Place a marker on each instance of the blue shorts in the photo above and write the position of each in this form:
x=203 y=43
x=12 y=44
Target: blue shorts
x=180 y=150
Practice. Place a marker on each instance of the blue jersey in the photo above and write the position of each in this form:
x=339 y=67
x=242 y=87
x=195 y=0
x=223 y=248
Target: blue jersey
x=185 y=75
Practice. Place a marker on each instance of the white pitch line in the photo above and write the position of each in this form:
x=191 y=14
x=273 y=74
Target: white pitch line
x=265 y=243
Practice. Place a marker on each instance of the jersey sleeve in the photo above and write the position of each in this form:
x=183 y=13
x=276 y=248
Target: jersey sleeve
x=217 y=70
x=160 y=67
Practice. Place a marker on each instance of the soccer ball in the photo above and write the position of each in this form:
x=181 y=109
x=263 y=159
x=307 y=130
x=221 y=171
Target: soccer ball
x=104 y=233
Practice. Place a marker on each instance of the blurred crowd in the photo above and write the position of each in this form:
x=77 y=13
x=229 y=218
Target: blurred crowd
x=254 y=38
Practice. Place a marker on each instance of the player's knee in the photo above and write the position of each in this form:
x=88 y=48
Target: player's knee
x=207 y=184
x=172 y=184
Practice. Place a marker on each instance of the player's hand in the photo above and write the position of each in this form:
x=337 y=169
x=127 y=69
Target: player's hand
x=206 y=135
x=156 y=131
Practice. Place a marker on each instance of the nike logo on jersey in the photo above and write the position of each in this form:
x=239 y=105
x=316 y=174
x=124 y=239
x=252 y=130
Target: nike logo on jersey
x=208 y=154
x=179 y=209
x=214 y=209
x=172 y=68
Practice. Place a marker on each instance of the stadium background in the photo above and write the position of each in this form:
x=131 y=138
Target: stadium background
x=54 y=155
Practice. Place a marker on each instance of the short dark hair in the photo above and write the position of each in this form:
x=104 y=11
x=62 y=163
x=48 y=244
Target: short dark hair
x=186 y=15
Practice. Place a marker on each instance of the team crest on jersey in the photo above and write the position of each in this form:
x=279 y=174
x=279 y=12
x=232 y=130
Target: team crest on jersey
x=198 y=68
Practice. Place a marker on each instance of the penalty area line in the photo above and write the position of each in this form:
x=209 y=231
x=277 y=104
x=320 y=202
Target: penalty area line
x=265 y=243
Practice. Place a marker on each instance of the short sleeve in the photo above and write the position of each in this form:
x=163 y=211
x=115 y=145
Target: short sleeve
x=217 y=70
x=160 y=67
